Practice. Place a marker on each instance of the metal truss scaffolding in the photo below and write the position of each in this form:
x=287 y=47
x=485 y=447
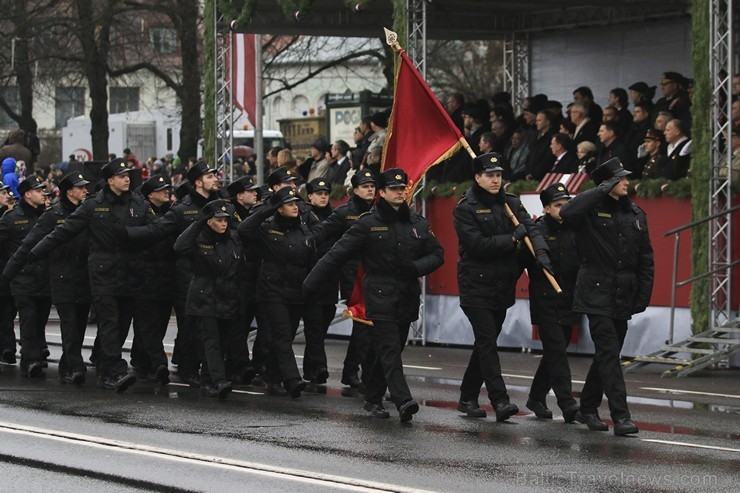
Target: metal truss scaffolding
x=516 y=68
x=416 y=44
x=720 y=229
x=223 y=101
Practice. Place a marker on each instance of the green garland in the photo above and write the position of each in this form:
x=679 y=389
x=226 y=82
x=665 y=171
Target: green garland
x=700 y=162
x=209 y=90
x=289 y=8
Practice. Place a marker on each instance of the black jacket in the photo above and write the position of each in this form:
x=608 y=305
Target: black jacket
x=545 y=305
x=567 y=164
x=395 y=249
x=288 y=252
x=329 y=231
x=216 y=261
x=26 y=278
x=68 y=272
x=540 y=158
x=115 y=266
x=488 y=269
x=327 y=293
x=615 y=277
x=159 y=265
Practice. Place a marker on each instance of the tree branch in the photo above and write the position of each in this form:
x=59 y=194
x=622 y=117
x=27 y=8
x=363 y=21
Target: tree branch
x=169 y=81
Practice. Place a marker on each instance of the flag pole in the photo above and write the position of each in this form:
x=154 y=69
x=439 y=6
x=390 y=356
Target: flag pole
x=515 y=221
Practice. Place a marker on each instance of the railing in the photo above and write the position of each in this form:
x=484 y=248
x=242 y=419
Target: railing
x=675 y=284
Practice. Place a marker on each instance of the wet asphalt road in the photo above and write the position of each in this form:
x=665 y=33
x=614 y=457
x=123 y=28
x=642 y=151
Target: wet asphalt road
x=54 y=437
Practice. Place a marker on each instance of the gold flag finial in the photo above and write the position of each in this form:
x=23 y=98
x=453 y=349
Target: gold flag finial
x=392 y=39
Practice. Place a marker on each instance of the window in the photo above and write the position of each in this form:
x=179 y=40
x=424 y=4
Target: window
x=123 y=99
x=69 y=102
x=13 y=97
x=163 y=39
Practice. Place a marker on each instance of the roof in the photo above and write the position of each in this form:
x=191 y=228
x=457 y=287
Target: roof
x=461 y=19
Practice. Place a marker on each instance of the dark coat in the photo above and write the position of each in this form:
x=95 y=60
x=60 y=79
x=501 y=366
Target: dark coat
x=540 y=158
x=329 y=231
x=216 y=260
x=545 y=305
x=395 y=249
x=615 y=149
x=589 y=133
x=27 y=278
x=288 y=252
x=488 y=269
x=327 y=293
x=114 y=265
x=615 y=278
x=159 y=265
x=567 y=164
x=68 y=272
x=17 y=149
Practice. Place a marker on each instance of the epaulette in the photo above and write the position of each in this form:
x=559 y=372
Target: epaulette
x=512 y=195
x=636 y=208
x=364 y=214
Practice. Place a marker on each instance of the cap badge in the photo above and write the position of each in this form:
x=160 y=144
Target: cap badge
x=494 y=159
x=561 y=189
x=122 y=165
x=398 y=177
x=321 y=183
x=161 y=179
x=79 y=176
x=288 y=172
x=223 y=208
x=291 y=192
x=367 y=173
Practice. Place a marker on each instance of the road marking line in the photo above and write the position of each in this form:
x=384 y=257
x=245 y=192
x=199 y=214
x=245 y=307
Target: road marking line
x=683 y=444
x=312 y=477
x=235 y=391
x=422 y=367
x=692 y=392
x=528 y=377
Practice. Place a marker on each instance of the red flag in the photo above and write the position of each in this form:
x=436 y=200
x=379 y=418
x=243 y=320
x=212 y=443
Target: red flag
x=244 y=74
x=356 y=303
x=420 y=132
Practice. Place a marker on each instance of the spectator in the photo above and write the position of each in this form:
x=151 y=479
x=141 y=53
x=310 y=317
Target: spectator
x=502 y=130
x=362 y=141
x=662 y=119
x=566 y=160
x=15 y=147
x=678 y=151
x=338 y=170
x=651 y=165
x=611 y=114
x=540 y=158
x=736 y=86
x=502 y=100
x=474 y=119
x=618 y=100
x=584 y=96
x=455 y=103
x=130 y=157
x=378 y=123
x=485 y=144
x=736 y=114
x=271 y=156
x=640 y=92
x=10 y=178
x=516 y=155
x=636 y=135
x=374 y=159
x=319 y=166
x=735 y=158
x=586 y=129
x=675 y=98
x=611 y=146
x=587 y=156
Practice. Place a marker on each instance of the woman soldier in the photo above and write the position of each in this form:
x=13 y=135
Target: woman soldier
x=213 y=296
x=288 y=253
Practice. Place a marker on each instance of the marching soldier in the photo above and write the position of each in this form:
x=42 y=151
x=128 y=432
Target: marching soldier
x=396 y=246
x=7 y=305
x=288 y=252
x=70 y=284
x=551 y=311
x=215 y=252
x=115 y=269
x=282 y=177
x=322 y=306
x=244 y=194
x=487 y=273
x=157 y=297
x=29 y=280
x=363 y=195
x=615 y=281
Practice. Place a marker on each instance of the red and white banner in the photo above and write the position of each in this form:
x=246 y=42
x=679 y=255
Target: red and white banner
x=244 y=74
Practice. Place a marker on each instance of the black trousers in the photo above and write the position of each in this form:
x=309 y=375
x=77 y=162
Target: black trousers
x=554 y=370
x=388 y=339
x=316 y=321
x=283 y=320
x=7 y=318
x=214 y=334
x=188 y=351
x=484 y=365
x=360 y=351
x=605 y=375
x=72 y=324
x=261 y=346
x=33 y=313
x=114 y=320
x=150 y=326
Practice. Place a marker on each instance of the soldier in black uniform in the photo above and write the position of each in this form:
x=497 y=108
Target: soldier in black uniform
x=70 y=284
x=553 y=312
x=487 y=273
x=244 y=194
x=615 y=281
x=29 y=280
x=157 y=296
x=203 y=188
x=115 y=268
x=342 y=218
x=7 y=305
x=282 y=177
x=288 y=252
x=213 y=298
x=322 y=305
x=396 y=246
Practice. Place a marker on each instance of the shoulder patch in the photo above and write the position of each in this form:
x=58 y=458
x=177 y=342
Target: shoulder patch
x=379 y=228
x=483 y=211
x=190 y=212
x=603 y=214
x=275 y=232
